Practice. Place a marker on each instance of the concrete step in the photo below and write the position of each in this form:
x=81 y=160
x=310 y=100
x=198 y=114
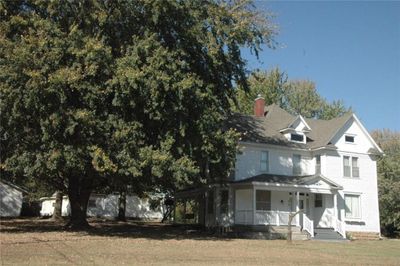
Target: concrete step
x=327 y=234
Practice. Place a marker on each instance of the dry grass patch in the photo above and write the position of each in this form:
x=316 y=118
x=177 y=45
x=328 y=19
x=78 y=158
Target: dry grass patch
x=40 y=242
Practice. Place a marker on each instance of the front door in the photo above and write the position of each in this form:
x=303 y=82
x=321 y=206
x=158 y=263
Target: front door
x=304 y=204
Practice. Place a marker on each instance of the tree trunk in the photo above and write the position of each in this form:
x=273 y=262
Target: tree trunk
x=289 y=234
x=122 y=206
x=57 y=214
x=78 y=194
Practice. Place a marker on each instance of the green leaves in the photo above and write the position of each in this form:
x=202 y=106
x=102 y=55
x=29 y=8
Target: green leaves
x=115 y=93
x=295 y=96
x=389 y=180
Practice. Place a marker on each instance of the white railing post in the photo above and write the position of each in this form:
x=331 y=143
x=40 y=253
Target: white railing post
x=312 y=228
x=339 y=226
x=297 y=208
x=343 y=225
x=277 y=218
x=308 y=225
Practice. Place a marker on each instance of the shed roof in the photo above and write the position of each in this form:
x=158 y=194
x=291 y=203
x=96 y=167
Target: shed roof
x=8 y=183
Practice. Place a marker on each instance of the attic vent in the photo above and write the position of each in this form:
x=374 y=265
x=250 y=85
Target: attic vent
x=296 y=137
x=349 y=139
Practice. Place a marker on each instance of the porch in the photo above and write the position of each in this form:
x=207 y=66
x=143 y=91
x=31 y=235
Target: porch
x=262 y=202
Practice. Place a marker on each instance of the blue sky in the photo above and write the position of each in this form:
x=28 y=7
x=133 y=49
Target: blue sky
x=351 y=50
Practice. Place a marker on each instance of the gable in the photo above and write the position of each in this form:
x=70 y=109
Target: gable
x=299 y=125
x=353 y=137
x=320 y=182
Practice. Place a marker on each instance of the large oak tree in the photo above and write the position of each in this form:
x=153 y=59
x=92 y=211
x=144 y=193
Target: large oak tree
x=99 y=93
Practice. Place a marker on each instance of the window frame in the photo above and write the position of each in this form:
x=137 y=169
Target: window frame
x=358 y=196
x=268 y=203
x=318 y=165
x=321 y=200
x=350 y=136
x=297 y=135
x=266 y=162
x=352 y=169
x=295 y=166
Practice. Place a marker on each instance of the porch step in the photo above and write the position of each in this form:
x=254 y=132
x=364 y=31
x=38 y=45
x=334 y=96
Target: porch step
x=327 y=234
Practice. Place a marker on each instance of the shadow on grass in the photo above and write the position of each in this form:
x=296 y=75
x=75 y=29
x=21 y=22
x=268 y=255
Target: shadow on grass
x=110 y=228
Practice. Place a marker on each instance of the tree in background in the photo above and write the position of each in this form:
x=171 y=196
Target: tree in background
x=295 y=96
x=389 y=180
x=303 y=98
x=270 y=84
x=96 y=94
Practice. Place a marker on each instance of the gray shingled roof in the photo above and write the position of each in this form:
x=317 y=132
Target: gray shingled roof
x=267 y=129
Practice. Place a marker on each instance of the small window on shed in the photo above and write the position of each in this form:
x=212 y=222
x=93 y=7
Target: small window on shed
x=296 y=137
x=349 y=139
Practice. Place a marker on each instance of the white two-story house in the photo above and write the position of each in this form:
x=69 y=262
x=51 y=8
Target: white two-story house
x=326 y=169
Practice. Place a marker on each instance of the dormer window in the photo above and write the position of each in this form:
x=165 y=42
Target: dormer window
x=296 y=137
x=349 y=139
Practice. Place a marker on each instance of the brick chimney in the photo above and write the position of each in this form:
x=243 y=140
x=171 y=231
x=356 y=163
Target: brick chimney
x=259 y=104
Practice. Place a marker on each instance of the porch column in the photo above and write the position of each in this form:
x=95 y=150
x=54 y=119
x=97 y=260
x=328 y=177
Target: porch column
x=335 y=212
x=254 y=205
x=297 y=208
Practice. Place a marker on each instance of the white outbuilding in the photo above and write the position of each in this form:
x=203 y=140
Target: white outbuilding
x=106 y=206
x=11 y=197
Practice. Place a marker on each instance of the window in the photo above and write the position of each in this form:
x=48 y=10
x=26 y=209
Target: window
x=352 y=206
x=346 y=166
x=349 y=139
x=210 y=203
x=318 y=164
x=224 y=201
x=355 y=171
x=264 y=162
x=350 y=167
x=297 y=137
x=263 y=200
x=297 y=164
x=318 y=200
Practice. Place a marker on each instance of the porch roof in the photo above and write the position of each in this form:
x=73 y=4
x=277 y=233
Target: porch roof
x=295 y=181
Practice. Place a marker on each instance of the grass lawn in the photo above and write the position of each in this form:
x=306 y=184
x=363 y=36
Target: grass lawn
x=40 y=242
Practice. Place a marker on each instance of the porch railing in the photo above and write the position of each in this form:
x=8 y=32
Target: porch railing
x=272 y=217
x=308 y=225
x=244 y=217
x=339 y=226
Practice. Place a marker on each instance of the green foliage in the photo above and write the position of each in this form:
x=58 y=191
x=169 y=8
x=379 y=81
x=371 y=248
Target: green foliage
x=389 y=180
x=303 y=98
x=270 y=84
x=295 y=96
x=98 y=94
